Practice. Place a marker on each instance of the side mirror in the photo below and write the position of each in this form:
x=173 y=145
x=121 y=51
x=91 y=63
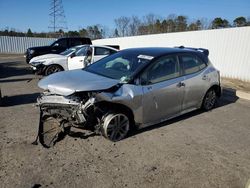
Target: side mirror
x=56 y=45
x=72 y=55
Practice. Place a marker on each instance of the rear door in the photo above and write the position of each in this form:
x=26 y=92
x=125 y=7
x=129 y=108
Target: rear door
x=162 y=90
x=196 y=81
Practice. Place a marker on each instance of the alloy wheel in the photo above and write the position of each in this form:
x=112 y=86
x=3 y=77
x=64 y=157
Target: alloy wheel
x=115 y=126
x=209 y=100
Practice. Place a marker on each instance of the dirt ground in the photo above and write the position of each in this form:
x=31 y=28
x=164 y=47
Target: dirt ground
x=236 y=84
x=195 y=150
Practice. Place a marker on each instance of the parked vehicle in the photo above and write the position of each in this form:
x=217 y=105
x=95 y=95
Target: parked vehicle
x=88 y=54
x=46 y=64
x=74 y=58
x=133 y=88
x=56 y=47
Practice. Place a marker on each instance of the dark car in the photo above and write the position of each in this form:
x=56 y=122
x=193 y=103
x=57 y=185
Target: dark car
x=56 y=47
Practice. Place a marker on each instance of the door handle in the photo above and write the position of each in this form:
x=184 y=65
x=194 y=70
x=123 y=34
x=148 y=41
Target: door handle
x=181 y=84
x=81 y=60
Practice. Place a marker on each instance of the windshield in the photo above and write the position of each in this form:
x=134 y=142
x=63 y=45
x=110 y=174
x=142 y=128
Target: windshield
x=82 y=51
x=69 y=51
x=120 y=66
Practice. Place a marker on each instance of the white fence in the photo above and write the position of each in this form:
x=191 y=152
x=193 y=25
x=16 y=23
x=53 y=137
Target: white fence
x=229 y=48
x=20 y=44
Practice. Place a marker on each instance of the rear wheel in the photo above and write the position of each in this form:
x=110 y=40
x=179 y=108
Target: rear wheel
x=52 y=69
x=115 y=126
x=209 y=100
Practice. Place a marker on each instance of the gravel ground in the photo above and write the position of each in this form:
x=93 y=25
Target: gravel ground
x=195 y=150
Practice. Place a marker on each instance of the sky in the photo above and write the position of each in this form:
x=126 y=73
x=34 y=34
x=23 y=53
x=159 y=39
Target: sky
x=34 y=14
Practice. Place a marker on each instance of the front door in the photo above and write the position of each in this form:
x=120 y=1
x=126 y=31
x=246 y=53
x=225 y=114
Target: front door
x=163 y=90
x=80 y=59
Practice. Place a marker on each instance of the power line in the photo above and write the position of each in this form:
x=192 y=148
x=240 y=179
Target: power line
x=57 y=16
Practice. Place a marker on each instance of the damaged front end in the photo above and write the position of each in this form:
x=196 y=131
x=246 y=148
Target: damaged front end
x=59 y=113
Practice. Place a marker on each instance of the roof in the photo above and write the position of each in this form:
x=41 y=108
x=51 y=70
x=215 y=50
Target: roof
x=159 y=51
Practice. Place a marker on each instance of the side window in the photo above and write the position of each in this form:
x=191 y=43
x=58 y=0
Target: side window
x=62 y=43
x=75 y=42
x=82 y=51
x=163 y=69
x=191 y=64
x=102 y=51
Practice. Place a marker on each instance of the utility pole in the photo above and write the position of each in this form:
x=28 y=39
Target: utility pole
x=57 y=16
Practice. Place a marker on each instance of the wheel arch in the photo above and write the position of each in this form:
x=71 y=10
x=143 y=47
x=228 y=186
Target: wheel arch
x=120 y=108
x=217 y=89
x=54 y=64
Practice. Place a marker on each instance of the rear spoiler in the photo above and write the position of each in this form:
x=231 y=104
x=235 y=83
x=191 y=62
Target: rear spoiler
x=202 y=50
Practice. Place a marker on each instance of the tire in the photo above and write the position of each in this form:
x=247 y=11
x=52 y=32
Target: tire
x=115 y=126
x=49 y=131
x=209 y=100
x=52 y=69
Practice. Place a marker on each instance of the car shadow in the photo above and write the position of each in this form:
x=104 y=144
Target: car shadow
x=13 y=68
x=81 y=135
x=7 y=101
x=228 y=97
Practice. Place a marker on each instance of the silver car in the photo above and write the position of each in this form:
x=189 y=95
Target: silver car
x=133 y=88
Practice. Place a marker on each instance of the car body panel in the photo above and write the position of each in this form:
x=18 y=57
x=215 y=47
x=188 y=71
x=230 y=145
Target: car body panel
x=158 y=101
x=66 y=83
x=150 y=104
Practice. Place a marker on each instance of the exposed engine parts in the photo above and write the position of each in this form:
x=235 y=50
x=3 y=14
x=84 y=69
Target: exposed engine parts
x=59 y=113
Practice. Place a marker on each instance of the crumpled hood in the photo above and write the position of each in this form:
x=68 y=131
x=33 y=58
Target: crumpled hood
x=45 y=57
x=69 y=82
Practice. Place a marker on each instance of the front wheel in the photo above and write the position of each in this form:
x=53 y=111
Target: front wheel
x=209 y=100
x=115 y=126
x=52 y=69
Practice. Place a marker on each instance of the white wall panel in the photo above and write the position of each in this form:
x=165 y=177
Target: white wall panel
x=229 y=48
x=20 y=44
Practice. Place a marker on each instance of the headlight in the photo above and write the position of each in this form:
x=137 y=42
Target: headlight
x=32 y=51
x=35 y=63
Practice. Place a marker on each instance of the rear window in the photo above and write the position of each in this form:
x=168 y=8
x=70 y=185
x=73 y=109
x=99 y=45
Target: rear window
x=191 y=64
x=103 y=51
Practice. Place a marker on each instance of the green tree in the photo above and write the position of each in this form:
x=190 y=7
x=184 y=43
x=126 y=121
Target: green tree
x=95 y=32
x=72 y=34
x=116 y=33
x=83 y=32
x=240 y=21
x=29 y=33
x=193 y=27
x=158 y=26
x=181 y=23
x=218 y=23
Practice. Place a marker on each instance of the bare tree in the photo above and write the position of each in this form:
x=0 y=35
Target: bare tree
x=150 y=21
x=134 y=25
x=122 y=25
